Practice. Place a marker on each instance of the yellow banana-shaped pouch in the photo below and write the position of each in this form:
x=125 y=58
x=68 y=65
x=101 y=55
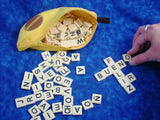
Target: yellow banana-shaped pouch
x=64 y=28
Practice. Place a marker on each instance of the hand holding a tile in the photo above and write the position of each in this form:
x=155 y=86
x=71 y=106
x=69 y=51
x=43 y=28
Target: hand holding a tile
x=146 y=44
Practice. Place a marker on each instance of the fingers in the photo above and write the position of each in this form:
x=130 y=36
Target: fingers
x=139 y=43
x=141 y=58
x=139 y=32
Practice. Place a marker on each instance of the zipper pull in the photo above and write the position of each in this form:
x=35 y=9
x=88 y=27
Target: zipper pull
x=103 y=20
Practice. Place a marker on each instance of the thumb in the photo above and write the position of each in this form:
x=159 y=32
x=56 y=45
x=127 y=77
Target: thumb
x=141 y=58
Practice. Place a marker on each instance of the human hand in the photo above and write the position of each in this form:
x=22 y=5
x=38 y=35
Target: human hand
x=147 y=44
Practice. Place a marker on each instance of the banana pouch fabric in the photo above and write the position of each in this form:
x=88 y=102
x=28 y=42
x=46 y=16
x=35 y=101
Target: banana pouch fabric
x=34 y=33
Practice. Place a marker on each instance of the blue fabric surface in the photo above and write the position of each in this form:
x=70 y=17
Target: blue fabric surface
x=109 y=40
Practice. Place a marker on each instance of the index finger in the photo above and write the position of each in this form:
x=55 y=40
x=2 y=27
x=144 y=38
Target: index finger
x=141 y=39
x=138 y=33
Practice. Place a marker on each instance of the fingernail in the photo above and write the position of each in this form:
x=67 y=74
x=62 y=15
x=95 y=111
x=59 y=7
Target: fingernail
x=132 y=62
x=129 y=51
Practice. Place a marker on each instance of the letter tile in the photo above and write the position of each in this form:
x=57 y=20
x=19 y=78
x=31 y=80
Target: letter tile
x=130 y=77
x=72 y=27
x=62 y=28
x=27 y=81
x=57 y=62
x=66 y=35
x=67 y=21
x=36 y=87
x=80 y=70
x=50 y=62
x=126 y=57
x=66 y=60
x=114 y=67
x=48 y=95
x=77 y=109
x=87 y=24
x=66 y=81
x=46 y=55
x=118 y=74
x=54 y=30
x=96 y=98
x=61 y=54
x=20 y=102
x=57 y=90
x=64 y=71
x=34 y=111
x=129 y=88
x=58 y=79
x=79 y=22
x=48 y=115
x=48 y=85
x=87 y=104
x=80 y=41
x=109 y=61
x=121 y=64
x=68 y=100
x=54 y=56
x=67 y=91
x=37 y=71
x=73 y=35
x=79 y=32
x=57 y=68
x=67 y=110
x=28 y=76
x=123 y=81
x=44 y=65
x=100 y=76
x=75 y=56
x=57 y=107
x=69 y=43
x=107 y=72
x=50 y=74
x=44 y=106
x=26 y=85
x=42 y=78
x=38 y=96
x=36 y=118
x=30 y=99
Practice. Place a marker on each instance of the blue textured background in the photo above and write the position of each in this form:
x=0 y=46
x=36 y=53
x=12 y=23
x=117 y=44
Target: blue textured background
x=109 y=40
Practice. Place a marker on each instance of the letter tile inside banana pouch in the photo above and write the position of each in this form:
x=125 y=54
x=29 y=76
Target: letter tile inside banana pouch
x=64 y=28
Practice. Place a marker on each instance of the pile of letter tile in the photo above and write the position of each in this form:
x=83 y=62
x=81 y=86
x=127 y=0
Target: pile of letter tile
x=52 y=73
x=69 y=31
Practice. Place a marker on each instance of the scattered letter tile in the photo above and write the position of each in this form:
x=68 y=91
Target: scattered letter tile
x=57 y=107
x=34 y=111
x=87 y=104
x=80 y=70
x=96 y=98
